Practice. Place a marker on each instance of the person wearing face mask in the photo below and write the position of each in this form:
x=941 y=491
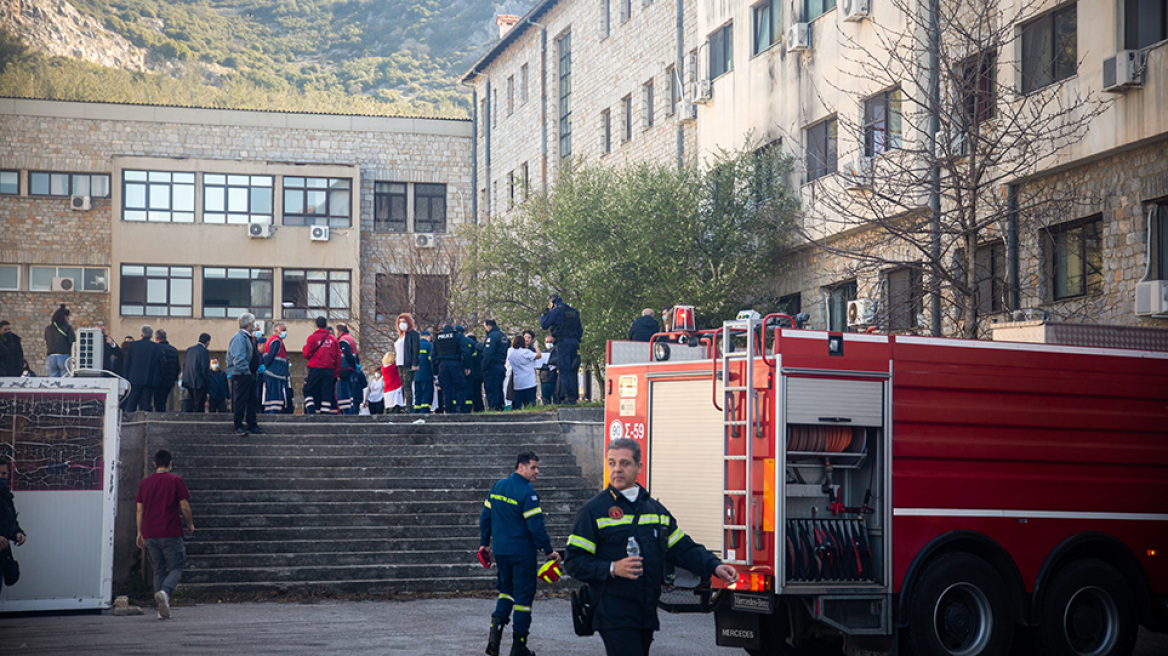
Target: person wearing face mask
x=548 y=374
x=217 y=388
x=274 y=370
x=374 y=400
x=406 y=351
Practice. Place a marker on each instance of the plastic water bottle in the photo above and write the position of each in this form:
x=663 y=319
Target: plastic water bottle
x=632 y=548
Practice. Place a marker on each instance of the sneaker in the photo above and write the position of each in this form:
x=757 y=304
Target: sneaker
x=163 y=601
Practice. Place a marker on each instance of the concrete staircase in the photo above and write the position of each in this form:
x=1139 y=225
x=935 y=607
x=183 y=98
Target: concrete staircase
x=330 y=505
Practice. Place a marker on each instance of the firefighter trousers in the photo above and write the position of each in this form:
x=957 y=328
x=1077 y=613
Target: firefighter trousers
x=516 y=583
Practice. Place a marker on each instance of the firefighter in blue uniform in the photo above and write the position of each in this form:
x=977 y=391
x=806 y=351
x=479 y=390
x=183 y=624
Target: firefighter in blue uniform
x=511 y=528
x=453 y=357
x=626 y=587
x=563 y=322
x=494 y=364
x=424 y=376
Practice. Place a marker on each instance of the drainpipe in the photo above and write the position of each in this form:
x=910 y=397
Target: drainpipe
x=487 y=144
x=934 y=87
x=1015 y=280
x=543 y=106
x=474 y=157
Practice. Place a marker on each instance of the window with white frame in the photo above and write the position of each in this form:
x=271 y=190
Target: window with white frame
x=882 y=123
x=9 y=277
x=309 y=293
x=81 y=279
x=768 y=25
x=237 y=199
x=229 y=292
x=157 y=291
x=722 y=50
x=52 y=183
x=9 y=182
x=318 y=201
x=158 y=196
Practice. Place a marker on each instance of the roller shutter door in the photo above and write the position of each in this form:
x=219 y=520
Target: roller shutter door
x=685 y=467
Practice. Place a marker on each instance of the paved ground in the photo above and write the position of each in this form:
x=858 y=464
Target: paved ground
x=423 y=627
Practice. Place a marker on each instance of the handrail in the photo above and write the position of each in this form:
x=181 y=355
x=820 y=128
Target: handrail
x=771 y=363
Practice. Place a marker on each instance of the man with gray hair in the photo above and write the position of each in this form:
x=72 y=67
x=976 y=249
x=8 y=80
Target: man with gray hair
x=142 y=360
x=243 y=361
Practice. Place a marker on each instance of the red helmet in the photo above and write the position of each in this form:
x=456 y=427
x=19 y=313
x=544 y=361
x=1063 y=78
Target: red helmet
x=550 y=572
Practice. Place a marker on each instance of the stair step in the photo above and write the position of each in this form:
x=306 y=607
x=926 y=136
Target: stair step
x=207 y=497
x=379 y=508
x=350 y=520
x=376 y=480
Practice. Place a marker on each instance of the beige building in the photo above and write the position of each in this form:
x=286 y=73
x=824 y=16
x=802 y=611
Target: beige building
x=1063 y=99
x=184 y=218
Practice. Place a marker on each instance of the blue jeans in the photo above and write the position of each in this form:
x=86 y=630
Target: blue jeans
x=166 y=558
x=56 y=365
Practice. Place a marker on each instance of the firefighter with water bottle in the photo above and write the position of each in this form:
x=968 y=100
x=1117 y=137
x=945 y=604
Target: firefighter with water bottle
x=619 y=545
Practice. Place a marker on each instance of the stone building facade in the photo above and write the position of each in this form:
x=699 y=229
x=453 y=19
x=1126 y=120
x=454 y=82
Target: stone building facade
x=145 y=215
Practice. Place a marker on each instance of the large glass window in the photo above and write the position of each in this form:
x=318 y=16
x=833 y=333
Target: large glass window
x=991 y=277
x=162 y=196
x=837 y=305
x=722 y=50
x=904 y=297
x=228 y=292
x=768 y=25
x=564 y=48
x=237 y=199
x=389 y=207
x=1049 y=49
x=157 y=291
x=46 y=183
x=9 y=278
x=309 y=293
x=978 y=90
x=81 y=279
x=1077 y=260
x=882 y=123
x=817 y=8
x=1145 y=22
x=9 y=182
x=430 y=208
x=318 y=201
x=822 y=148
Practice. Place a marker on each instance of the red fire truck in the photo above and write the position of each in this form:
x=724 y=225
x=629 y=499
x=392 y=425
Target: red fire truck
x=897 y=494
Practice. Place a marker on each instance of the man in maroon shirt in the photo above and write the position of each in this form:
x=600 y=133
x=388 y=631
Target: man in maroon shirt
x=161 y=497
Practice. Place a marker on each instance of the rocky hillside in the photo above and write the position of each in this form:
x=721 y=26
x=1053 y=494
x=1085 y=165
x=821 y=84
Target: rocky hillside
x=355 y=56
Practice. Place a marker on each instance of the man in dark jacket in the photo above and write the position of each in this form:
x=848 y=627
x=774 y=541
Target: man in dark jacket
x=474 y=382
x=644 y=327
x=141 y=367
x=627 y=587
x=494 y=364
x=217 y=388
x=168 y=370
x=11 y=352
x=453 y=358
x=196 y=373
x=10 y=531
x=563 y=322
x=111 y=354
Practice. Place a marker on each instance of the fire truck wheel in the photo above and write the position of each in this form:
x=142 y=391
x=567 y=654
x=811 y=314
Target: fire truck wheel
x=959 y=607
x=1088 y=611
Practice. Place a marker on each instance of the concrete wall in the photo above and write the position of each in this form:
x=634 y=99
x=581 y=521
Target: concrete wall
x=134 y=464
x=584 y=429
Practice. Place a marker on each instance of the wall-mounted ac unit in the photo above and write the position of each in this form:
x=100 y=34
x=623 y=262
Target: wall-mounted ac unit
x=798 y=37
x=318 y=233
x=858 y=173
x=260 y=230
x=64 y=285
x=88 y=350
x=426 y=240
x=1122 y=72
x=1151 y=298
x=703 y=91
x=855 y=10
x=861 y=312
x=689 y=112
x=80 y=203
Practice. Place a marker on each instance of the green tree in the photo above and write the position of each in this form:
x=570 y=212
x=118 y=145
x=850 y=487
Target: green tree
x=614 y=241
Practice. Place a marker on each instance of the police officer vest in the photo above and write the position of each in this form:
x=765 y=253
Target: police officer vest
x=569 y=324
x=446 y=345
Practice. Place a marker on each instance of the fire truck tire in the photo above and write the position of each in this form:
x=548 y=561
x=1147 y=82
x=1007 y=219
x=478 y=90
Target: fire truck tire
x=1088 y=611
x=960 y=607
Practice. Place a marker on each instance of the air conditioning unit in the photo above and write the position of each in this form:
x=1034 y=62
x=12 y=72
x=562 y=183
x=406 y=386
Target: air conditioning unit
x=260 y=230
x=689 y=112
x=426 y=240
x=88 y=350
x=1151 y=298
x=64 y=285
x=1122 y=71
x=861 y=312
x=703 y=91
x=858 y=173
x=856 y=10
x=80 y=203
x=318 y=233
x=798 y=37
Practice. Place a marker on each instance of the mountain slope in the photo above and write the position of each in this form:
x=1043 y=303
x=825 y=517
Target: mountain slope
x=352 y=56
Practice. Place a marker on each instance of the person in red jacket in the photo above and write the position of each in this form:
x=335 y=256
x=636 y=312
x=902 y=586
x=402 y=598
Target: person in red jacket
x=323 y=353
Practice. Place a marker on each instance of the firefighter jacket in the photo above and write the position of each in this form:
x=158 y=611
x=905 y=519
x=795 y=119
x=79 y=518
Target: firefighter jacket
x=511 y=522
x=599 y=538
x=424 y=368
x=494 y=349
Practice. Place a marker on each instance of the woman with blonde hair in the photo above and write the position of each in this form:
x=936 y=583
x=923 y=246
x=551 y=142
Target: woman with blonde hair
x=392 y=382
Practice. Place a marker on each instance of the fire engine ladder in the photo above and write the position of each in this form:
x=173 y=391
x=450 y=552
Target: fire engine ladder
x=737 y=391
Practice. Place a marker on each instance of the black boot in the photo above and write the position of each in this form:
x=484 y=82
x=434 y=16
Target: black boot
x=496 y=636
x=519 y=645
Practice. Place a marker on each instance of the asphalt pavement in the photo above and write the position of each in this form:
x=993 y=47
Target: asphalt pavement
x=420 y=627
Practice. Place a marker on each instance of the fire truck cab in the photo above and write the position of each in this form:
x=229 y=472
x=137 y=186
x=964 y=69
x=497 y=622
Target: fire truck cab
x=898 y=494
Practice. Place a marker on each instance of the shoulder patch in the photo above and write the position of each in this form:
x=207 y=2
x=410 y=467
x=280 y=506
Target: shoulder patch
x=535 y=497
